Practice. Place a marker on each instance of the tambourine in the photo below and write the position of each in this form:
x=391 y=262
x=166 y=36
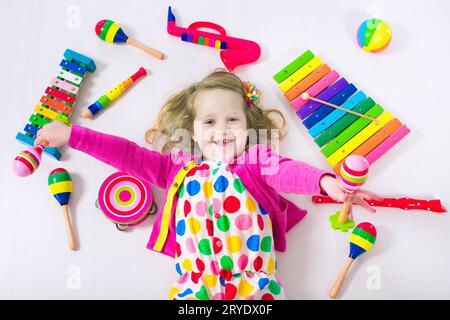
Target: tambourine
x=125 y=200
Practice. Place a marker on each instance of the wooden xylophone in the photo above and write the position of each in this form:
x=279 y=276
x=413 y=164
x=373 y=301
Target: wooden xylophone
x=59 y=98
x=337 y=132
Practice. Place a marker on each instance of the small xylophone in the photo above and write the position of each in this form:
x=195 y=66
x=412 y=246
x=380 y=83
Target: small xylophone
x=58 y=99
x=338 y=133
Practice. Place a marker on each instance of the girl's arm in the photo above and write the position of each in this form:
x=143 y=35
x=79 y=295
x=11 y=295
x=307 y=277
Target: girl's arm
x=292 y=176
x=288 y=175
x=122 y=154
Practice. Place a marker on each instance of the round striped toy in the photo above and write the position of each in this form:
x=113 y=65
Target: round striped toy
x=374 y=35
x=111 y=32
x=27 y=162
x=353 y=173
x=125 y=200
x=362 y=239
x=60 y=184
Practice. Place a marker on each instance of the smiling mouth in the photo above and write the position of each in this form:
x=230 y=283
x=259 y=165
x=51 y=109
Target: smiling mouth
x=223 y=142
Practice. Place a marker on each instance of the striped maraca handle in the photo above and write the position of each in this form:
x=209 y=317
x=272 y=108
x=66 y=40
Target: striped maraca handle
x=70 y=234
x=346 y=205
x=334 y=291
x=153 y=52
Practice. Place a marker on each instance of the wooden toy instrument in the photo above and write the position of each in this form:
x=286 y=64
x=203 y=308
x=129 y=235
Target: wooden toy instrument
x=234 y=51
x=106 y=99
x=362 y=239
x=60 y=185
x=337 y=132
x=111 y=32
x=58 y=99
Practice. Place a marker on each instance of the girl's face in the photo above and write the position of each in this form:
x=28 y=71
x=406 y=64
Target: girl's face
x=220 y=124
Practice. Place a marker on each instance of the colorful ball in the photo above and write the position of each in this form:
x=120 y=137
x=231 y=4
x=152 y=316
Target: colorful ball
x=27 y=161
x=60 y=183
x=362 y=239
x=354 y=172
x=111 y=32
x=374 y=35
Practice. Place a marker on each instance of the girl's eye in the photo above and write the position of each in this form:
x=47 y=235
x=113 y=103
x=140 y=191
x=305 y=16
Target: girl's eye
x=234 y=119
x=209 y=122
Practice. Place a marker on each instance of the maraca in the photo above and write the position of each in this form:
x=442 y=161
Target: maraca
x=362 y=239
x=60 y=183
x=27 y=162
x=111 y=32
x=354 y=172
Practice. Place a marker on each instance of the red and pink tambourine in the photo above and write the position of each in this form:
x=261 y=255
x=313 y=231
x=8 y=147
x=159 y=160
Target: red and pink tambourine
x=125 y=200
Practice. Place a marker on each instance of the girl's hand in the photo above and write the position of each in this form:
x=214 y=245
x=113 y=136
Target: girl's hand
x=56 y=133
x=336 y=191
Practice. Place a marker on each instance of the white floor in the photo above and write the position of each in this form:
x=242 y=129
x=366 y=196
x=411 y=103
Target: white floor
x=411 y=258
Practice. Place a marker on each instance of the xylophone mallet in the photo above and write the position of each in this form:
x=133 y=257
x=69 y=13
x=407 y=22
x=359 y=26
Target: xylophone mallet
x=354 y=172
x=362 y=239
x=306 y=96
x=28 y=161
x=60 y=184
x=111 y=32
x=106 y=99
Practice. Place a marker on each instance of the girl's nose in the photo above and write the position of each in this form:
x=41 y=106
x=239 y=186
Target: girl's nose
x=221 y=127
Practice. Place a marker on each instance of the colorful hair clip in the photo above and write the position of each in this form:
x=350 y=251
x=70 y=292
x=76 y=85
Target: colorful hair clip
x=252 y=94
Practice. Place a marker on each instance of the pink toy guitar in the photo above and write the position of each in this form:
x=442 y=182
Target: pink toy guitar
x=234 y=51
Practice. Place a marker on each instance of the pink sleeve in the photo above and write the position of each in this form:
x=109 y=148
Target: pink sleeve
x=122 y=154
x=288 y=175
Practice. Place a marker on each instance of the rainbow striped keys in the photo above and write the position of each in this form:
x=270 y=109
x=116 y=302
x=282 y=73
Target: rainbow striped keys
x=58 y=99
x=336 y=132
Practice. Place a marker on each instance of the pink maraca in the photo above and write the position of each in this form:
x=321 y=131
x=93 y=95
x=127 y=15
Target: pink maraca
x=354 y=172
x=27 y=162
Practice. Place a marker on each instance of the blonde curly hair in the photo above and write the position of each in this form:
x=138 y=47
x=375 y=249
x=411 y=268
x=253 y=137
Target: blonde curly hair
x=178 y=112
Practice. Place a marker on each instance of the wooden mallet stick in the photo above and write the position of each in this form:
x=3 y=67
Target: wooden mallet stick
x=306 y=96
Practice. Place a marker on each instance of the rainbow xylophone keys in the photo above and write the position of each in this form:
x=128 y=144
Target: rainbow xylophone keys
x=336 y=132
x=59 y=98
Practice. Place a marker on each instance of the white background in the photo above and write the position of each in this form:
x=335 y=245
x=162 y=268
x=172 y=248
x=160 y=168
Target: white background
x=411 y=258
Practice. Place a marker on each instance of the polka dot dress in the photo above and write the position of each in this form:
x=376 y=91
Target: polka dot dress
x=224 y=246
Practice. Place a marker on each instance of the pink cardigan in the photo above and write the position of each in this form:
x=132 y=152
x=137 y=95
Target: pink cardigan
x=262 y=171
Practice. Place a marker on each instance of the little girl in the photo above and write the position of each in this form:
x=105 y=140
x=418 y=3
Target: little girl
x=223 y=217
